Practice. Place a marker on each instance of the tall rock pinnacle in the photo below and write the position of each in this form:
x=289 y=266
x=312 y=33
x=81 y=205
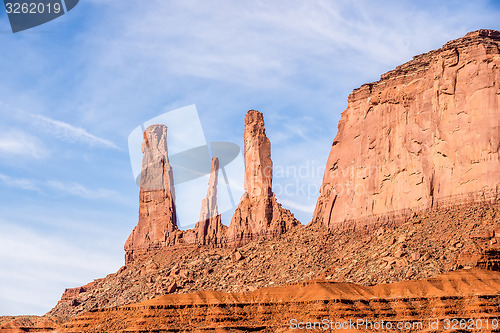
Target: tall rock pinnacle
x=425 y=136
x=209 y=229
x=157 y=216
x=258 y=215
x=258 y=163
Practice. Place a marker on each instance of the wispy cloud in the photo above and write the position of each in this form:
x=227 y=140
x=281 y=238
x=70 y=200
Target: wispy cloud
x=56 y=128
x=298 y=206
x=70 y=133
x=79 y=190
x=21 y=183
x=235 y=55
x=20 y=143
x=270 y=41
x=293 y=58
x=37 y=268
x=61 y=188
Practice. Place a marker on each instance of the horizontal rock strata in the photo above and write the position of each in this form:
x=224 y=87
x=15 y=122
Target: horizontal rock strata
x=460 y=294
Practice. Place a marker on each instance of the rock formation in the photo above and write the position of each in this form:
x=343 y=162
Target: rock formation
x=426 y=135
x=258 y=214
x=490 y=260
x=209 y=229
x=157 y=218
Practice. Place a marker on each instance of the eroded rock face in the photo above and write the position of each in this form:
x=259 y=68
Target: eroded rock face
x=157 y=217
x=426 y=135
x=209 y=229
x=258 y=214
x=22 y=324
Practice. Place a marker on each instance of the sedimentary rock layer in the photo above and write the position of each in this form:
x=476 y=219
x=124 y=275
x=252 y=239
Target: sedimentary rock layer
x=420 y=145
x=428 y=244
x=23 y=324
x=461 y=294
x=427 y=134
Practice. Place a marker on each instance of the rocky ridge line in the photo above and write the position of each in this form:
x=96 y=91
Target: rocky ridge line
x=403 y=242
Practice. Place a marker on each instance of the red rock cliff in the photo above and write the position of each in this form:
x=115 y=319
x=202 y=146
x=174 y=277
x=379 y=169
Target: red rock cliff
x=426 y=135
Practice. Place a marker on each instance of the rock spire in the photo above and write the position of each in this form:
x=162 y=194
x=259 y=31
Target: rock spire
x=157 y=216
x=258 y=214
x=209 y=229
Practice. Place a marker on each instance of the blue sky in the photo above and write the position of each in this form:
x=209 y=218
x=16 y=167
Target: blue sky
x=72 y=90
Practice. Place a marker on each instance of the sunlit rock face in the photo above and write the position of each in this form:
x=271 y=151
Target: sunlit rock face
x=157 y=217
x=258 y=215
x=426 y=135
x=209 y=229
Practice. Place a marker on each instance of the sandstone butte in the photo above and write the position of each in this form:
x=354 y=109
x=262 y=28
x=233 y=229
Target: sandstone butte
x=426 y=135
x=415 y=160
x=257 y=216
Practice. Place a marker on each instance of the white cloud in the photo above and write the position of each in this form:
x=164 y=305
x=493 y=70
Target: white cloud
x=70 y=188
x=70 y=133
x=21 y=144
x=280 y=53
x=288 y=57
x=298 y=206
x=56 y=128
x=267 y=42
x=22 y=183
x=233 y=55
x=81 y=191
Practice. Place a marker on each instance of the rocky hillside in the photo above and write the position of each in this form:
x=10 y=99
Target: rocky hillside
x=432 y=303
x=23 y=324
x=426 y=245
